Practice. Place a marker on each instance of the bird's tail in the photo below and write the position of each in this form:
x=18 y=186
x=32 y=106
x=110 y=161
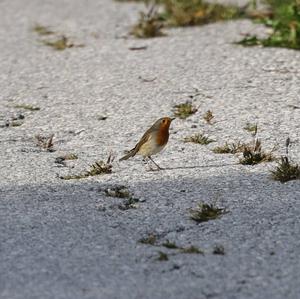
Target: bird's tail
x=130 y=154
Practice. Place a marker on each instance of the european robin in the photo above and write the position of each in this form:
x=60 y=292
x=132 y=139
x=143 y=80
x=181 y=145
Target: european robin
x=153 y=141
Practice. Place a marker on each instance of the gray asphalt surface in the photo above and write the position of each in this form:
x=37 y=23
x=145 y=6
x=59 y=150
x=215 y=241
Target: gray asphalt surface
x=67 y=239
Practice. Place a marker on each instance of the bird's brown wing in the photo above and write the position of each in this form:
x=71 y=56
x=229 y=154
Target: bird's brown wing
x=133 y=151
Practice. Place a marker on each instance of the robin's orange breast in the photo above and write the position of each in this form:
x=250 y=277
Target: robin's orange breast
x=162 y=136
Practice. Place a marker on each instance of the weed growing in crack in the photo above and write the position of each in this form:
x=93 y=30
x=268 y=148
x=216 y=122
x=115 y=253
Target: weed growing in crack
x=149 y=24
x=229 y=148
x=199 y=139
x=162 y=257
x=208 y=117
x=184 y=110
x=98 y=168
x=45 y=142
x=219 y=249
x=205 y=212
x=253 y=153
x=123 y=192
x=284 y=21
x=150 y=239
x=286 y=170
x=252 y=128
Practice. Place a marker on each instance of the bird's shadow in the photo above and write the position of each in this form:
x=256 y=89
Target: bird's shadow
x=194 y=167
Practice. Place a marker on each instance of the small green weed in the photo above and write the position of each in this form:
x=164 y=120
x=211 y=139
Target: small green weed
x=184 y=110
x=199 y=139
x=206 y=212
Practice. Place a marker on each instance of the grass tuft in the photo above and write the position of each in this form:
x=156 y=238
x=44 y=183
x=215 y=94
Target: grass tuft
x=285 y=170
x=192 y=250
x=199 y=139
x=205 y=212
x=252 y=128
x=42 y=30
x=62 y=159
x=123 y=192
x=162 y=256
x=219 y=249
x=98 y=168
x=184 y=110
x=229 y=148
x=208 y=117
x=60 y=44
x=197 y=12
x=45 y=142
x=253 y=154
x=170 y=245
x=150 y=239
x=149 y=25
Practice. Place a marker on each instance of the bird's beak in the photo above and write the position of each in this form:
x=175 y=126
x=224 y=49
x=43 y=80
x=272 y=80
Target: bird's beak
x=173 y=118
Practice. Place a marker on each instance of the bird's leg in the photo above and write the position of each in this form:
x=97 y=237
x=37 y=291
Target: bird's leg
x=146 y=161
x=158 y=167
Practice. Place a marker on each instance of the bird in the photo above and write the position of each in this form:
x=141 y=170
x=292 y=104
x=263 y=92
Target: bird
x=153 y=141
